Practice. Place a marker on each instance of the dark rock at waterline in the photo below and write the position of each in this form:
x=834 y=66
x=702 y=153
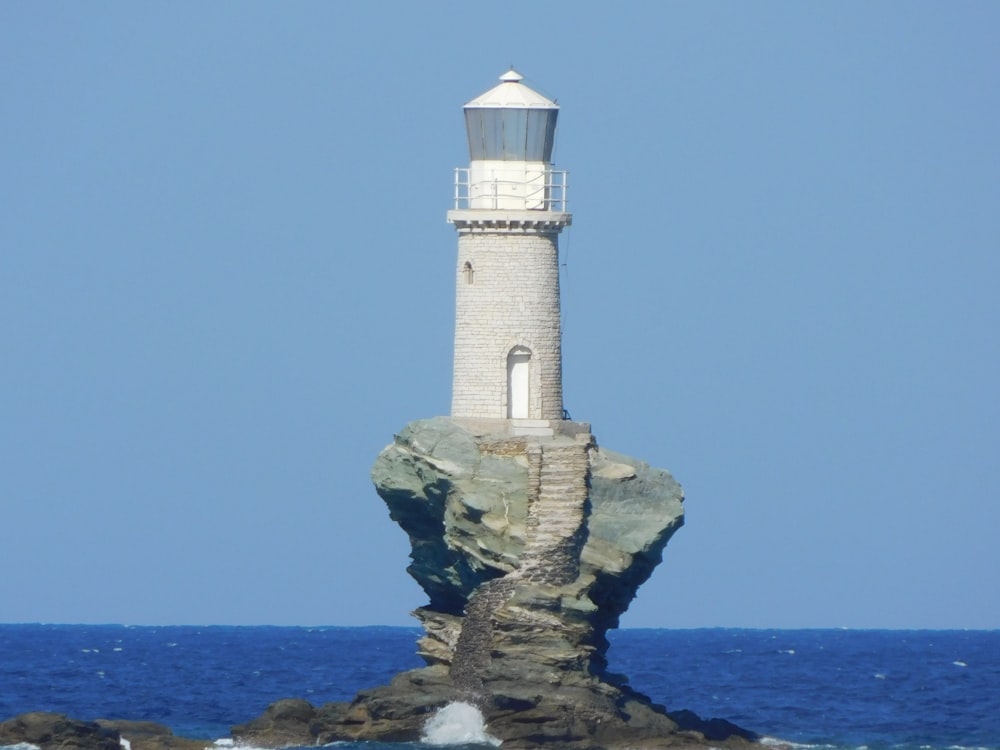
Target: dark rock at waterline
x=50 y=730
x=290 y=721
x=587 y=715
x=529 y=548
x=710 y=729
x=148 y=735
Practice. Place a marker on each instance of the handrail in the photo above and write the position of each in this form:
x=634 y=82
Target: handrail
x=546 y=192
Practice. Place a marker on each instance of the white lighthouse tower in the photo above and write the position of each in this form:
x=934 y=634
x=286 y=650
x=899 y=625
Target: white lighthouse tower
x=510 y=206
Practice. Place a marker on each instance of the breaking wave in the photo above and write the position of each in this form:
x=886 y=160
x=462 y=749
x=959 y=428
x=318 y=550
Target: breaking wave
x=457 y=724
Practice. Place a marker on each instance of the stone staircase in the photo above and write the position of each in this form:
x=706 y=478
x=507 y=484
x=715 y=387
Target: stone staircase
x=556 y=513
x=558 y=488
x=475 y=642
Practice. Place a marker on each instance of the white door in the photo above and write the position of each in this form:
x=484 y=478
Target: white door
x=518 y=381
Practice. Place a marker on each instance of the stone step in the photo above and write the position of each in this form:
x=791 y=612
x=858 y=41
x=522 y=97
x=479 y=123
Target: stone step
x=565 y=517
x=574 y=477
x=570 y=474
x=561 y=505
x=564 y=471
x=553 y=536
x=560 y=490
x=560 y=521
x=532 y=427
x=554 y=531
x=565 y=511
x=561 y=485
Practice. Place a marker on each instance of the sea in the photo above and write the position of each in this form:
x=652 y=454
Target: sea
x=873 y=689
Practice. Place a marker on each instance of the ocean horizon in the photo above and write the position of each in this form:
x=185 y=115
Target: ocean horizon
x=832 y=687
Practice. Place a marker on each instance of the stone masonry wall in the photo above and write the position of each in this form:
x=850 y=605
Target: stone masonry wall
x=510 y=299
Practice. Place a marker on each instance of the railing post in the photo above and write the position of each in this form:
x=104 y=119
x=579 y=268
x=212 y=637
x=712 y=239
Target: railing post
x=554 y=190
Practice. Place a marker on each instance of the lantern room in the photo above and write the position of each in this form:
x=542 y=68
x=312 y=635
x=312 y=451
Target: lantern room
x=511 y=122
x=511 y=131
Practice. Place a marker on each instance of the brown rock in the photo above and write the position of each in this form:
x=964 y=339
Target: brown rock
x=148 y=735
x=50 y=731
x=287 y=722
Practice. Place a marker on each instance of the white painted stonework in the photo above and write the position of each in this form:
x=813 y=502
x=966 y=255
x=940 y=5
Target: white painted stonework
x=508 y=184
x=508 y=339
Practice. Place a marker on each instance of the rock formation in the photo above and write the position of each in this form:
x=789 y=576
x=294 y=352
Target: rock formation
x=52 y=731
x=529 y=548
x=44 y=729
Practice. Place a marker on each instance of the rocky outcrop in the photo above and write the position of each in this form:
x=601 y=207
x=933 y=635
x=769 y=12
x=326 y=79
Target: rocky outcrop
x=572 y=529
x=51 y=731
x=148 y=735
x=291 y=721
x=529 y=548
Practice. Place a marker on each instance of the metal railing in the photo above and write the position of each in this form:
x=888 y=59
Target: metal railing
x=545 y=190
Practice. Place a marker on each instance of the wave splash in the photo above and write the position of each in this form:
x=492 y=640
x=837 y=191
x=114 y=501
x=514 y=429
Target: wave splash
x=457 y=724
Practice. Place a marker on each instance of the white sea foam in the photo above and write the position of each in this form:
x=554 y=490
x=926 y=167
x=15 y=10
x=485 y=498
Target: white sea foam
x=124 y=743
x=960 y=664
x=20 y=746
x=776 y=742
x=230 y=742
x=457 y=724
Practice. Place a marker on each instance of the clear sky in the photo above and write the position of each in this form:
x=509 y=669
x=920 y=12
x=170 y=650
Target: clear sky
x=226 y=280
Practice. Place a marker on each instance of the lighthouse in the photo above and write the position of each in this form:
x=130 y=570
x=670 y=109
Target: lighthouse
x=510 y=206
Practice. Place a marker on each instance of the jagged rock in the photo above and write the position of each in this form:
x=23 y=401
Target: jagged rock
x=50 y=731
x=571 y=529
x=148 y=735
x=529 y=549
x=711 y=729
x=286 y=722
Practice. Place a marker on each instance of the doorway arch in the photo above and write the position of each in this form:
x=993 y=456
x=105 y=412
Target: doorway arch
x=518 y=382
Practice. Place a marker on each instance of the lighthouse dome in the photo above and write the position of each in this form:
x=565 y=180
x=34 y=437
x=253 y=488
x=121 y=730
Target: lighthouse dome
x=511 y=122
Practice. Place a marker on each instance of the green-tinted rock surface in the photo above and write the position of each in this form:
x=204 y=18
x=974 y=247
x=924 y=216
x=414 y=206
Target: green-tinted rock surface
x=529 y=549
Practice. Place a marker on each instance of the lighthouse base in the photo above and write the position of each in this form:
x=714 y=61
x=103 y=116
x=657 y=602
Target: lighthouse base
x=480 y=427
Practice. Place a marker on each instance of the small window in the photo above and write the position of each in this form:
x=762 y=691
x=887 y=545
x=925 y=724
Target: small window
x=467 y=272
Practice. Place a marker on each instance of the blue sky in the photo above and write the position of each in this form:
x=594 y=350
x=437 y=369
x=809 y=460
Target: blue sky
x=226 y=280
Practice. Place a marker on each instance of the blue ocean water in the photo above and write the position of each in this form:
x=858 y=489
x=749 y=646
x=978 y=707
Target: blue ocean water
x=835 y=688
